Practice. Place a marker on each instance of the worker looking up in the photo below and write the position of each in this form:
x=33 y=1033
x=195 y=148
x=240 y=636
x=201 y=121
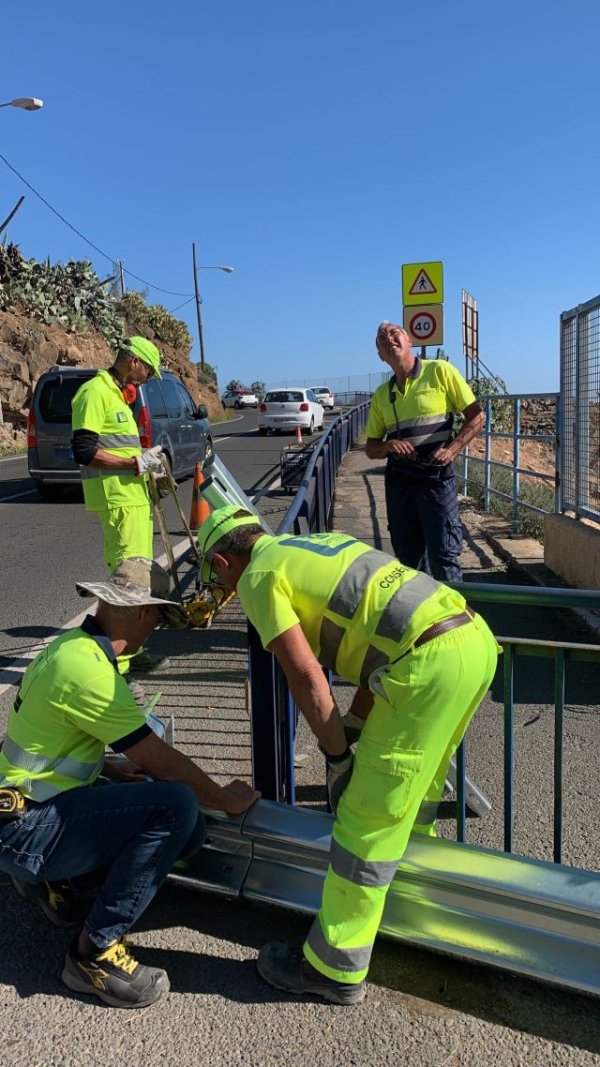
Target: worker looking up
x=422 y=663
x=410 y=424
x=106 y=444
x=60 y=821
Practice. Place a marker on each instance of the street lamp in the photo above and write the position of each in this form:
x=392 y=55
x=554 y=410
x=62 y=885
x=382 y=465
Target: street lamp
x=227 y=270
x=25 y=103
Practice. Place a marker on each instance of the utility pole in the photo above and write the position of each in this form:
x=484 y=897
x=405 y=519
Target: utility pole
x=122 y=278
x=198 y=306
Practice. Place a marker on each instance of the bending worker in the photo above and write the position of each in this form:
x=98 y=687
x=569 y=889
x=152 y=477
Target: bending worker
x=422 y=663
x=410 y=424
x=62 y=827
x=106 y=444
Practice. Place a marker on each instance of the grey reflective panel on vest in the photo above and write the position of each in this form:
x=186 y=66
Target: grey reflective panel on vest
x=67 y=767
x=119 y=440
x=374 y=659
x=342 y=959
x=373 y=875
x=401 y=607
x=330 y=639
x=348 y=593
x=424 y=420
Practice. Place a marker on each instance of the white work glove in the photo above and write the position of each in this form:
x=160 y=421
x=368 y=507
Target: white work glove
x=339 y=773
x=352 y=727
x=150 y=461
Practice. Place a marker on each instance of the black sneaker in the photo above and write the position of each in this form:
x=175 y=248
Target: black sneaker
x=149 y=661
x=286 y=967
x=116 y=977
x=59 y=901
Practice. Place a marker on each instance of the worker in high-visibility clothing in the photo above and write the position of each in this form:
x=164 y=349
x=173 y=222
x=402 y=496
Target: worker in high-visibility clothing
x=422 y=663
x=106 y=444
x=77 y=838
x=410 y=424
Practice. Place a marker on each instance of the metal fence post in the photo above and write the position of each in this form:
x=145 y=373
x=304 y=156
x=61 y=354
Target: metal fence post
x=264 y=719
x=516 y=517
x=558 y=431
x=487 y=467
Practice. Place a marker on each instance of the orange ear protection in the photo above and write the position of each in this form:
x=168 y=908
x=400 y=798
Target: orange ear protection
x=129 y=393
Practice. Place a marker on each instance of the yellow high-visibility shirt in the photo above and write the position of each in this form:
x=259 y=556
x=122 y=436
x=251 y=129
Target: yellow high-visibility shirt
x=359 y=608
x=98 y=406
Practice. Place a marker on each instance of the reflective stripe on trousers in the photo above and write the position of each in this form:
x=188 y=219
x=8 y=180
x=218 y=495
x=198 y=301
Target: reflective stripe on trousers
x=415 y=726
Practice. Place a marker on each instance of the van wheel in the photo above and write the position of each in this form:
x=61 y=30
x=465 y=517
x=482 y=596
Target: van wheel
x=209 y=450
x=47 y=491
x=262 y=430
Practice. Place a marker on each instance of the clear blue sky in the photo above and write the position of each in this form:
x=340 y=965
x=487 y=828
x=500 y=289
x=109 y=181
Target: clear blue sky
x=317 y=146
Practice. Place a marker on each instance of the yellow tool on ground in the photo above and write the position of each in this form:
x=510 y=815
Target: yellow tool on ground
x=210 y=597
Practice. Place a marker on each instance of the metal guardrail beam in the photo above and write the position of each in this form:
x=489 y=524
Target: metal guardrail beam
x=526 y=916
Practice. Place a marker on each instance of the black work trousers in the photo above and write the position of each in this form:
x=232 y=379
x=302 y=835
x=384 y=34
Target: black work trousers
x=425 y=526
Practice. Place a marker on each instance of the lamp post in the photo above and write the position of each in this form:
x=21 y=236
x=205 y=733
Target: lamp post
x=25 y=103
x=227 y=270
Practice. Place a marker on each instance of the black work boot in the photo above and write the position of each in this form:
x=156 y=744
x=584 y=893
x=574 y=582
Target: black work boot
x=59 y=901
x=286 y=967
x=115 y=976
x=146 y=661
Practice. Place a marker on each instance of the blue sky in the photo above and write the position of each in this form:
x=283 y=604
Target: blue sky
x=316 y=147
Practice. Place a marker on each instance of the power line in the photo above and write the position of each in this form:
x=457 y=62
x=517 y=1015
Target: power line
x=111 y=259
x=182 y=305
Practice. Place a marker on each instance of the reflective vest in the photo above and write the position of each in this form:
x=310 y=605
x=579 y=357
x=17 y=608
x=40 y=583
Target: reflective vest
x=359 y=609
x=98 y=406
x=71 y=703
x=423 y=414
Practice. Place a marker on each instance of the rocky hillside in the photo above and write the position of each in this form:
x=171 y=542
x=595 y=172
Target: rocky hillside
x=28 y=348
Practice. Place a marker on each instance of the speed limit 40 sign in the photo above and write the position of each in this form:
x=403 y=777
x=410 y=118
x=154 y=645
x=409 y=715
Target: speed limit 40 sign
x=425 y=323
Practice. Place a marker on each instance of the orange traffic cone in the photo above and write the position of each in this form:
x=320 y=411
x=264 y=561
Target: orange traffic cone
x=200 y=508
x=299 y=435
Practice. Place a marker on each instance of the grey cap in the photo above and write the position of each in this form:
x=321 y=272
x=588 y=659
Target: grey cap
x=135 y=582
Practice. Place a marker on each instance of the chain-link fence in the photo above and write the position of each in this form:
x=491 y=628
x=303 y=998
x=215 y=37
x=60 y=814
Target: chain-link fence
x=580 y=409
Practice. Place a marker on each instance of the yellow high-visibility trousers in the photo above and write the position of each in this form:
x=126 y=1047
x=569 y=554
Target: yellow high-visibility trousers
x=423 y=705
x=127 y=532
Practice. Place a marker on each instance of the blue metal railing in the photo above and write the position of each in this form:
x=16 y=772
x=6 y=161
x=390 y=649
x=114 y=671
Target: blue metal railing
x=489 y=465
x=274 y=715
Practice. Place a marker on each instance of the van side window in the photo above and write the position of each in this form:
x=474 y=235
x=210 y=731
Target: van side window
x=155 y=398
x=188 y=404
x=172 y=401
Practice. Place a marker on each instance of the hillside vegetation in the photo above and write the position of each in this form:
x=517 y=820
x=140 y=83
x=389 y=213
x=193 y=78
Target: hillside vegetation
x=65 y=314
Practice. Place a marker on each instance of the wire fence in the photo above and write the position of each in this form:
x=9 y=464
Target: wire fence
x=580 y=420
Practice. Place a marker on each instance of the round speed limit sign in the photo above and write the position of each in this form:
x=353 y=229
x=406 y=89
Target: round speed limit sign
x=422 y=325
x=425 y=324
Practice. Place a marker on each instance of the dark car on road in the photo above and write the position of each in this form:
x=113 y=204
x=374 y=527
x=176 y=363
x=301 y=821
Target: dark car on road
x=164 y=411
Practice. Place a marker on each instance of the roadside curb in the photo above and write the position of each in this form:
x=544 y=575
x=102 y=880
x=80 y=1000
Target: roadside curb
x=526 y=556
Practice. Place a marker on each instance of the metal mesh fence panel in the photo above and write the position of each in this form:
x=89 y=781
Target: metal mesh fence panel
x=580 y=407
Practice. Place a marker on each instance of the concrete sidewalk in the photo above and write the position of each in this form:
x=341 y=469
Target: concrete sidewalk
x=421 y=1009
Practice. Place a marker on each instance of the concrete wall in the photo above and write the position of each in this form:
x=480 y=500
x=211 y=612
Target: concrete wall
x=572 y=550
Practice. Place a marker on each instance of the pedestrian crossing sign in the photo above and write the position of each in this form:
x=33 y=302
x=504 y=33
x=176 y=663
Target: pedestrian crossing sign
x=422 y=283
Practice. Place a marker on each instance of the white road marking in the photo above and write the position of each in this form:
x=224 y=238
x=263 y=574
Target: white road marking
x=15 y=496
x=9 y=459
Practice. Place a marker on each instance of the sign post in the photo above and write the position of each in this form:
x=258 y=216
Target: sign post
x=470 y=333
x=422 y=298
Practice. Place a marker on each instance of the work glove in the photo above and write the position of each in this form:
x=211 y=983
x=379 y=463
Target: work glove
x=352 y=727
x=150 y=461
x=339 y=773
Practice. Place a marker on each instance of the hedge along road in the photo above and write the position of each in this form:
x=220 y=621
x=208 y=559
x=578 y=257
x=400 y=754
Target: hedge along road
x=47 y=546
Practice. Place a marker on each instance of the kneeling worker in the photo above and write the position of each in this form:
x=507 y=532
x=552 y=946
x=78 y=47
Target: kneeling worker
x=60 y=821
x=422 y=663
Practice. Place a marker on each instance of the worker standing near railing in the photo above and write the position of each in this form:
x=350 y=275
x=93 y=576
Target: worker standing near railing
x=422 y=663
x=410 y=425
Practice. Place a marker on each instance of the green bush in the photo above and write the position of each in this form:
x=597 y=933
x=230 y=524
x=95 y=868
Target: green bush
x=142 y=317
x=530 y=492
x=206 y=376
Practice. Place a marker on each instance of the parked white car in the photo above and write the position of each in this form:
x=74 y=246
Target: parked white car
x=239 y=398
x=324 y=396
x=286 y=409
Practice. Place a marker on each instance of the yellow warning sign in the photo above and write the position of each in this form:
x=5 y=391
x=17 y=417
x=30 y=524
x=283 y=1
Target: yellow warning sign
x=425 y=325
x=422 y=283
